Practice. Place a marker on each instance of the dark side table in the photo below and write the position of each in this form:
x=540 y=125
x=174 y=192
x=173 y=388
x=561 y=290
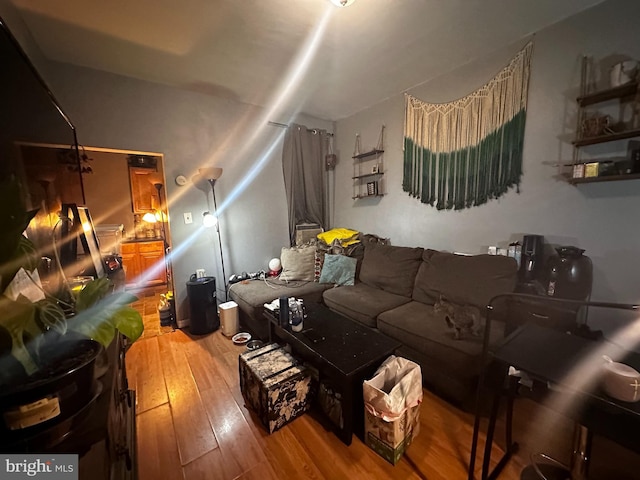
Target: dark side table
x=344 y=352
x=551 y=356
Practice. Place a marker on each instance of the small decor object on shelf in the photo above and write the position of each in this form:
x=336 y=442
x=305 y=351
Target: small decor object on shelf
x=623 y=73
x=633 y=154
x=578 y=170
x=596 y=125
x=591 y=169
x=372 y=188
x=374 y=169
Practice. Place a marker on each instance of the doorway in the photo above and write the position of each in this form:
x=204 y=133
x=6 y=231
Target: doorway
x=125 y=193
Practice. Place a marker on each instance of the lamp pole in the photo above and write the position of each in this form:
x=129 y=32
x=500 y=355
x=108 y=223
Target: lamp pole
x=212 y=182
x=167 y=253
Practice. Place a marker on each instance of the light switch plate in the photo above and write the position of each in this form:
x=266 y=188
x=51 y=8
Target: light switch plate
x=188 y=218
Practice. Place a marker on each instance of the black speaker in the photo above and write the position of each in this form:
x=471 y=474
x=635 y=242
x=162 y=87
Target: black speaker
x=203 y=305
x=532 y=257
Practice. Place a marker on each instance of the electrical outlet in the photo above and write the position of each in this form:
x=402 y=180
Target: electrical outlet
x=188 y=218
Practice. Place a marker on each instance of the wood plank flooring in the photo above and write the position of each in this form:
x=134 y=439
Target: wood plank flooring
x=193 y=424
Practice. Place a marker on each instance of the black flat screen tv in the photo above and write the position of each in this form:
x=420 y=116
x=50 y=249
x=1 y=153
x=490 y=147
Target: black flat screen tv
x=30 y=113
x=32 y=124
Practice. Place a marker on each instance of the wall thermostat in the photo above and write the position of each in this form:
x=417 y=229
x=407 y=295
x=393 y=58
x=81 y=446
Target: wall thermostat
x=181 y=180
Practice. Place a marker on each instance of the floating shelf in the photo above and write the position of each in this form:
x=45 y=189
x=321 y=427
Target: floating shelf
x=368 y=196
x=605 y=178
x=610 y=94
x=367 y=175
x=368 y=154
x=607 y=138
x=627 y=94
x=368 y=169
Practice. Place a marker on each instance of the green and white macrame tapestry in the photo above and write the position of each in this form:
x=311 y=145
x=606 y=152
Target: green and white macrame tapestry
x=466 y=152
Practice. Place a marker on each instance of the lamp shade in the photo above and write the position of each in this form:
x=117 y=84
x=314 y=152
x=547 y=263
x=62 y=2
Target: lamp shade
x=210 y=173
x=209 y=220
x=149 y=217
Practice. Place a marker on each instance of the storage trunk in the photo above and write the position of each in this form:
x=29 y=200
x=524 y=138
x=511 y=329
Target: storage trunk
x=274 y=385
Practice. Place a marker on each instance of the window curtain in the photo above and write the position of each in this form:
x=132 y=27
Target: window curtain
x=303 y=167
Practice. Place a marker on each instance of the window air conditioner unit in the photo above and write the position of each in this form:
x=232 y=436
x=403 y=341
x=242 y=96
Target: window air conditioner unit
x=307 y=232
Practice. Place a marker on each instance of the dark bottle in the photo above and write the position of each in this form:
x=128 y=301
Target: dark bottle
x=569 y=274
x=284 y=312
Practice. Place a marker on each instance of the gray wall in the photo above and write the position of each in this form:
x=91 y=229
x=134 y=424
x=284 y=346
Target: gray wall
x=601 y=218
x=192 y=130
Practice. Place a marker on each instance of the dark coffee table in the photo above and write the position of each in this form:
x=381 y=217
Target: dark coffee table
x=345 y=353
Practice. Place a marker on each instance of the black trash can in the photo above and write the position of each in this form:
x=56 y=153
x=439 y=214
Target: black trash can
x=203 y=305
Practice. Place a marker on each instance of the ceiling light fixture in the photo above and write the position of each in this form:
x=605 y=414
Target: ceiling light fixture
x=342 y=3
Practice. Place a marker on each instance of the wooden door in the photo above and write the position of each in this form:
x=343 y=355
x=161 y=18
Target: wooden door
x=152 y=263
x=130 y=263
x=144 y=196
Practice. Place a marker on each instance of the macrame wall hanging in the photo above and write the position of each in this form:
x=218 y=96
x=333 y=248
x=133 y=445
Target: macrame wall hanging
x=468 y=151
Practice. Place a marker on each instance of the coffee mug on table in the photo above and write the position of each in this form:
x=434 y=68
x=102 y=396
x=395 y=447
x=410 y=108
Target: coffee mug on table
x=200 y=273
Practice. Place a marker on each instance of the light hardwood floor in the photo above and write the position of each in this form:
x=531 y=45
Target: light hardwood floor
x=193 y=424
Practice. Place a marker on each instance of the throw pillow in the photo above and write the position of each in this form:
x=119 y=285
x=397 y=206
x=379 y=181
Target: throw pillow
x=338 y=269
x=321 y=250
x=344 y=235
x=297 y=263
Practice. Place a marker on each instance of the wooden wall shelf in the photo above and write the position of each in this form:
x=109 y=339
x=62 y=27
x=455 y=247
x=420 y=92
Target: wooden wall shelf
x=626 y=95
x=605 y=178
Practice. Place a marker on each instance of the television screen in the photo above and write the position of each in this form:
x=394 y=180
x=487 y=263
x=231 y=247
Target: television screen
x=30 y=113
x=38 y=145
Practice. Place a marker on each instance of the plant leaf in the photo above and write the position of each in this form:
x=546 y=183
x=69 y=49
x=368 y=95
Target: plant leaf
x=129 y=322
x=92 y=293
x=101 y=320
x=98 y=327
x=28 y=254
x=20 y=317
x=51 y=316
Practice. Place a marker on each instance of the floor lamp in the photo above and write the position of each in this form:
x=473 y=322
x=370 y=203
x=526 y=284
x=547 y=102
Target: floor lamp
x=212 y=174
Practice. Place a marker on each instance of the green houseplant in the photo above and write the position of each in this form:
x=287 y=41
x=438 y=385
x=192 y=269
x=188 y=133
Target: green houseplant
x=35 y=336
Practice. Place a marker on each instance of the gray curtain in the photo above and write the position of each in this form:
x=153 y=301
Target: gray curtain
x=303 y=157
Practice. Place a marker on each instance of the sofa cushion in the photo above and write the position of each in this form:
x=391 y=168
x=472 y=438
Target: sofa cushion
x=338 y=269
x=361 y=302
x=419 y=328
x=464 y=279
x=392 y=269
x=298 y=263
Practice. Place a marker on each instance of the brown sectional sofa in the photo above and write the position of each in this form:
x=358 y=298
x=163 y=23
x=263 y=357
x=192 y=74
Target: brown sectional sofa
x=395 y=291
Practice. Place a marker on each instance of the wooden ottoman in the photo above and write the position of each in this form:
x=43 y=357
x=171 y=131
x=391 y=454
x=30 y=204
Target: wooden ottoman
x=274 y=385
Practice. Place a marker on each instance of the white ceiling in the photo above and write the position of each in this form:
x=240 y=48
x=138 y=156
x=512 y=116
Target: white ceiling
x=289 y=55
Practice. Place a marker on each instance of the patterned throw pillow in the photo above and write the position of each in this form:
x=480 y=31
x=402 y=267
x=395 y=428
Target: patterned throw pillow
x=321 y=249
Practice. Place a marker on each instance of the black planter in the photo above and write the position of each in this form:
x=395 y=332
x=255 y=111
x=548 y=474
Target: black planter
x=55 y=394
x=569 y=274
